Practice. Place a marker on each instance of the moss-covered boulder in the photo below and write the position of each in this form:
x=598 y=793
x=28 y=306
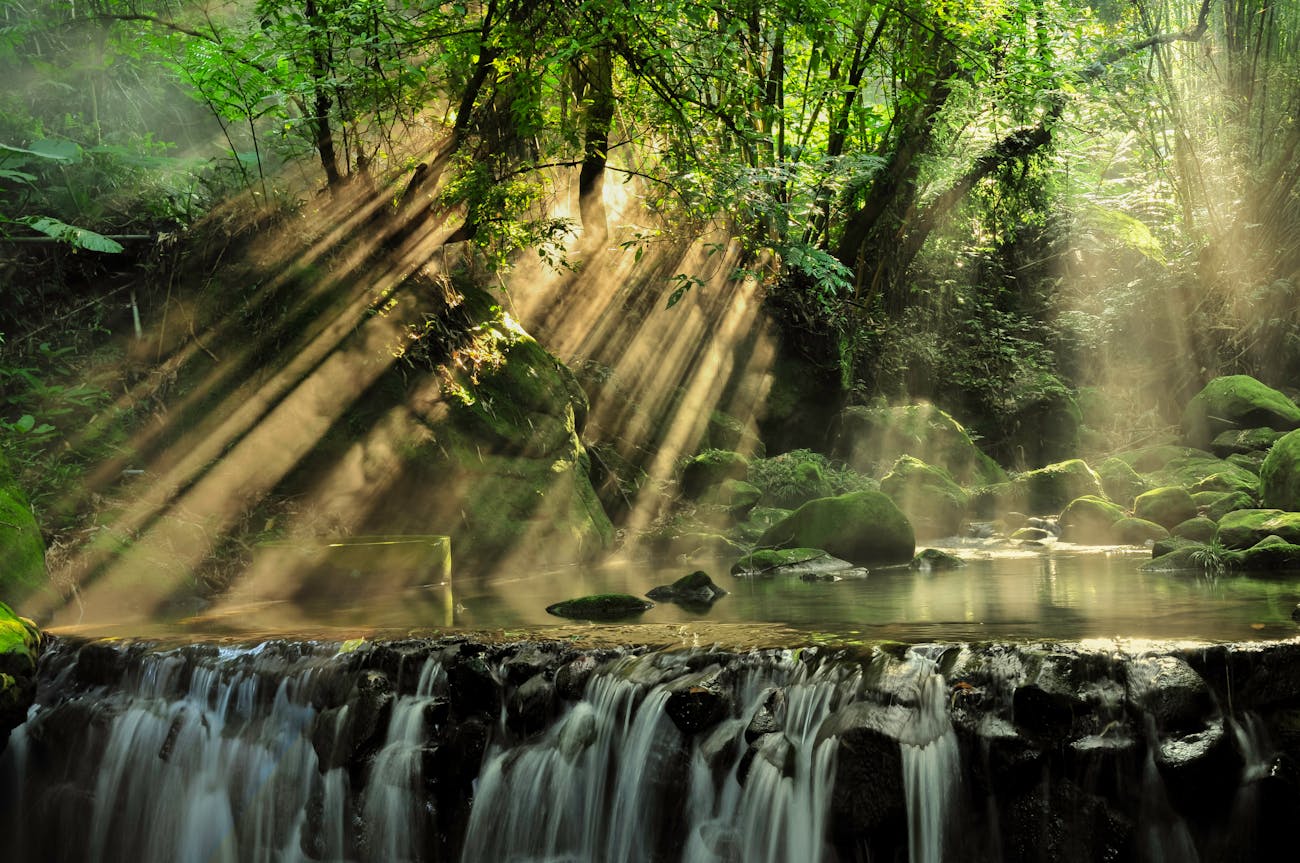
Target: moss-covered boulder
x=1270 y=554
x=1251 y=462
x=1236 y=402
x=1199 y=529
x=765 y=562
x=695 y=588
x=1216 y=504
x=1137 y=531
x=602 y=606
x=760 y=518
x=871 y=438
x=1032 y=534
x=1174 y=465
x=927 y=495
x=1121 y=483
x=1243 y=441
x=22 y=551
x=1279 y=475
x=702 y=472
x=1245 y=527
x=865 y=527
x=1166 y=506
x=1089 y=520
x=934 y=559
x=20 y=644
x=1051 y=488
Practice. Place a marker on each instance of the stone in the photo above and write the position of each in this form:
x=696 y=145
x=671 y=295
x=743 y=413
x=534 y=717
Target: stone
x=1170 y=691
x=788 y=561
x=1243 y=441
x=1279 y=476
x=867 y=438
x=1170 y=465
x=602 y=606
x=1198 y=529
x=864 y=528
x=1031 y=534
x=1225 y=502
x=1089 y=520
x=531 y=706
x=710 y=468
x=1137 y=531
x=1236 y=402
x=1121 y=483
x=1245 y=527
x=727 y=432
x=868 y=794
x=697 y=702
x=736 y=496
x=693 y=589
x=928 y=496
x=934 y=560
x=1270 y=554
x=1049 y=489
x=1166 y=506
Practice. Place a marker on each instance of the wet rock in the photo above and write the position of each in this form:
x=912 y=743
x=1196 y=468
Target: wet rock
x=100 y=664
x=720 y=745
x=1199 y=768
x=532 y=706
x=865 y=528
x=571 y=678
x=527 y=662
x=698 y=701
x=340 y=734
x=1032 y=534
x=694 y=589
x=1270 y=554
x=473 y=687
x=604 y=606
x=933 y=559
x=1170 y=691
x=766 y=719
x=774 y=749
x=788 y=561
x=1051 y=525
x=868 y=793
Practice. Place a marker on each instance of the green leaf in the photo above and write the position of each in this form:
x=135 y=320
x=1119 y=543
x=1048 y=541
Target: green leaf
x=80 y=238
x=25 y=423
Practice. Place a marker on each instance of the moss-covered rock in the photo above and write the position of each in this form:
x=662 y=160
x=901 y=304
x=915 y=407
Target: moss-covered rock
x=20 y=645
x=1198 y=529
x=788 y=561
x=927 y=495
x=1173 y=465
x=1279 y=476
x=1236 y=402
x=1166 y=506
x=1089 y=520
x=735 y=496
x=1137 y=531
x=1121 y=483
x=1243 y=441
x=1031 y=534
x=1172 y=543
x=602 y=606
x=759 y=520
x=1192 y=557
x=1051 y=488
x=1270 y=554
x=871 y=438
x=1245 y=527
x=1251 y=462
x=708 y=469
x=693 y=589
x=866 y=528
x=934 y=559
x=1217 y=504
x=22 y=551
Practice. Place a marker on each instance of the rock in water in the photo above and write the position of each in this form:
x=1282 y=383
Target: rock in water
x=863 y=527
x=694 y=589
x=602 y=606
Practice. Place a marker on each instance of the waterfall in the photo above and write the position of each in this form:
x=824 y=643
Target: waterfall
x=931 y=771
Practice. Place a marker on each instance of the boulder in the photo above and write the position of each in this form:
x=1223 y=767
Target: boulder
x=933 y=559
x=1198 y=529
x=789 y=561
x=1032 y=534
x=603 y=606
x=1243 y=441
x=1049 y=489
x=1236 y=402
x=1176 y=465
x=710 y=468
x=20 y=646
x=928 y=496
x=1137 y=531
x=1166 y=506
x=1245 y=527
x=1089 y=520
x=694 y=589
x=1120 y=482
x=698 y=701
x=1269 y=554
x=22 y=551
x=1279 y=476
x=867 y=438
x=864 y=527
x=1223 y=503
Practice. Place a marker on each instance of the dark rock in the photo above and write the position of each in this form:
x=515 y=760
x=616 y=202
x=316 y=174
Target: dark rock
x=698 y=701
x=694 y=589
x=868 y=794
x=604 y=606
x=775 y=749
x=532 y=706
x=709 y=469
x=474 y=688
x=571 y=679
x=934 y=559
x=767 y=719
x=1170 y=691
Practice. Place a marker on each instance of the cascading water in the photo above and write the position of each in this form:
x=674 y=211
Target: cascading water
x=442 y=751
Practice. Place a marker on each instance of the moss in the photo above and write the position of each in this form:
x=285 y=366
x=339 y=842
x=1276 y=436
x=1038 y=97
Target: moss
x=1173 y=543
x=1269 y=554
x=1198 y=529
x=1224 y=503
x=768 y=560
x=603 y=606
x=1166 y=506
x=936 y=559
x=1050 y=488
x=1137 y=531
x=708 y=469
x=1243 y=441
x=1252 y=462
x=927 y=495
x=870 y=438
x=20 y=642
x=22 y=552
x=1089 y=520
x=1236 y=402
x=1279 y=476
x=1120 y=482
x=863 y=527
x=1245 y=527
x=1188 y=558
